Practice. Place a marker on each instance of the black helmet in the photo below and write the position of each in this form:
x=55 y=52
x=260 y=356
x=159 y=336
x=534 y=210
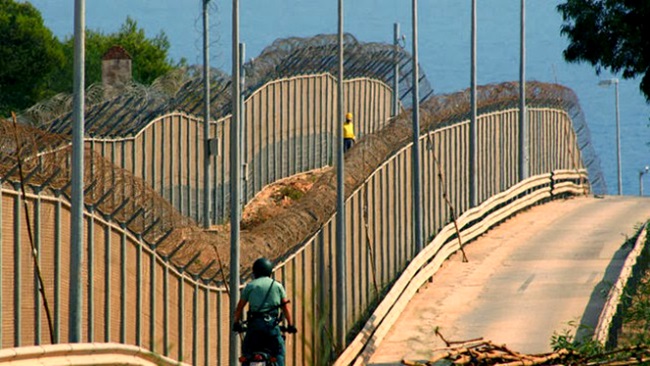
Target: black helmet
x=262 y=268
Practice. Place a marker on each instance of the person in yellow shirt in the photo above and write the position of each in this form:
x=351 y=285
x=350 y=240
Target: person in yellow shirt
x=348 y=132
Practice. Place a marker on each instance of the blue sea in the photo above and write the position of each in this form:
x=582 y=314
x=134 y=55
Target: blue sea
x=444 y=50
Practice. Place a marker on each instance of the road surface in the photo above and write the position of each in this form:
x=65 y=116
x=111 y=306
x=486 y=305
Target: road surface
x=526 y=279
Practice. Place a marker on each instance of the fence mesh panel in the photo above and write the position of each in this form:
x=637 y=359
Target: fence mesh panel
x=128 y=200
x=182 y=90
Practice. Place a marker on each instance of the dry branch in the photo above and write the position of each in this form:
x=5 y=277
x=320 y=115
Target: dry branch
x=487 y=353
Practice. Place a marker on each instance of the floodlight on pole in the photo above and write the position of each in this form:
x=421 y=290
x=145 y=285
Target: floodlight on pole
x=607 y=83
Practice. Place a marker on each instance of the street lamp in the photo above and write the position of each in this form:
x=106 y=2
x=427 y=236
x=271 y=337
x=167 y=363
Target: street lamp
x=644 y=171
x=606 y=83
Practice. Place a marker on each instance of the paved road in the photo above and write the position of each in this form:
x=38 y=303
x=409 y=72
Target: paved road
x=525 y=279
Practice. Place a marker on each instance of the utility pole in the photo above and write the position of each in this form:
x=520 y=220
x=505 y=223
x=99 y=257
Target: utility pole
x=340 y=200
x=396 y=70
x=206 y=118
x=235 y=183
x=76 y=218
x=473 y=176
x=417 y=201
x=523 y=123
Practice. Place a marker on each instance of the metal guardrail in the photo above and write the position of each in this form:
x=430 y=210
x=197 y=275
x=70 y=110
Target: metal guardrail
x=82 y=354
x=451 y=238
x=602 y=333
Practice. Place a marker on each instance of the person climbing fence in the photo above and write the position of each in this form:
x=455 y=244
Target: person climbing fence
x=348 y=132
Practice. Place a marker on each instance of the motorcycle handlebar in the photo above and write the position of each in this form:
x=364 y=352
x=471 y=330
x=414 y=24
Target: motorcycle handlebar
x=244 y=329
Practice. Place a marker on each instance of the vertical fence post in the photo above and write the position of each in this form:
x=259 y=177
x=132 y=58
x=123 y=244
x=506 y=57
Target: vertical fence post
x=396 y=69
x=523 y=125
x=206 y=118
x=123 y=289
x=138 y=290
x=166 y=344
x=107 y=283
x=76 y=219
x=1 y=264
x=17 y=272
x=473 y=174
x=417 y=204
x=57 y=267
x=235 y=182
x=152 y=300
x=91 y=274
x=181 y=317
x=37 y=249
x=206 y=327
x=341 y=283
x=195 y=320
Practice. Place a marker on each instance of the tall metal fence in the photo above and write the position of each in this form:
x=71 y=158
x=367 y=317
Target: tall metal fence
x=154 y=279
x=138 y=294
x=289 y=128
x=379 y=216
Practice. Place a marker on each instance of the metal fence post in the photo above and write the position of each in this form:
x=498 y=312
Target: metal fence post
x=523 y=124
x=235 y=182
x=341 y=283
x=473 y=175
x=206 y=118
x=417 y=204
x=396 y=70
x=76 y=218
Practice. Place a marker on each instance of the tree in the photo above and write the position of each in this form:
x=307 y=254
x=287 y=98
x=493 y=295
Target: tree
x=29 y=53
x=609 y=34
x=149 y=56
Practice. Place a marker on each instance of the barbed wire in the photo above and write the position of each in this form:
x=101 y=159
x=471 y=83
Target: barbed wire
x=182 y=89
x=116 y=193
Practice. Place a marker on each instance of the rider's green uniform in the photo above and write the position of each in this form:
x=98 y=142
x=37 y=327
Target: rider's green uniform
x=264 y=296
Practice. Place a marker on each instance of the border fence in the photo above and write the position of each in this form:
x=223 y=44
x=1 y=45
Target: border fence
x=154 y=280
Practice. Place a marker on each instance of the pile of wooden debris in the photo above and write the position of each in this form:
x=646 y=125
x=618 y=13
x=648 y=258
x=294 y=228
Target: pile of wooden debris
x=481 y=352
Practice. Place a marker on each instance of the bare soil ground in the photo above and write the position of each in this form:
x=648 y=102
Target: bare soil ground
x=273 y=200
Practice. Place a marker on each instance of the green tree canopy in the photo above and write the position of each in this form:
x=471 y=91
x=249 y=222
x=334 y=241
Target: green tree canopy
x=610 y=34
x=149 y=55
x=29 y=53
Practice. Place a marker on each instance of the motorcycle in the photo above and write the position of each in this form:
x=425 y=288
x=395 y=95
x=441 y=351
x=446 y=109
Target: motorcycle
x=259 y=357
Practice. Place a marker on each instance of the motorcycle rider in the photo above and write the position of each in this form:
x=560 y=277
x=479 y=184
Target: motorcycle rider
x=267 y=298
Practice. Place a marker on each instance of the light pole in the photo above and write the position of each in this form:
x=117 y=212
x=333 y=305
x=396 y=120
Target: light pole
x=417 y=202
x=341 y=279
x=235 y=182
x=396 y=70
x=524 y=157
x=206 y=118
x=618 y=132
x=644 y=171
x=473 y=200
x=77 y=196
